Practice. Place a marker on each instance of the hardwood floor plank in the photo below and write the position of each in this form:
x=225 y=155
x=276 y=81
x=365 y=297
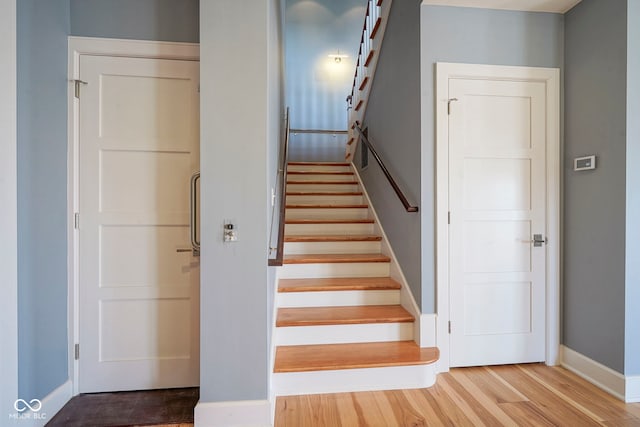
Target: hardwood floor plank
x=543 y=398
x=445 y=408
x=404 y=411
x=517 y=395
x=472 y=408
x=526 y=414
x=484 y=393
x=580 y=395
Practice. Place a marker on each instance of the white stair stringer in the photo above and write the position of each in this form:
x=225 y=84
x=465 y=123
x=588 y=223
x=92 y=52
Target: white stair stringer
x=353 y=380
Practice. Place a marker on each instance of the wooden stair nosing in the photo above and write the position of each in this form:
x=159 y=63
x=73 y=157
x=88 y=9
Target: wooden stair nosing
x=304 y=206
x=338 y=284
x=335 y=258
x=327 y=357
x=329 y=221
x=342 y=315
x=332 y=238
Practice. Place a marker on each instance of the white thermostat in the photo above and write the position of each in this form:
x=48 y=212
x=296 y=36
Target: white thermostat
x=584 y=163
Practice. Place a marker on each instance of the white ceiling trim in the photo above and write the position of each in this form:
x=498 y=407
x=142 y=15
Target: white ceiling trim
x=554 y=6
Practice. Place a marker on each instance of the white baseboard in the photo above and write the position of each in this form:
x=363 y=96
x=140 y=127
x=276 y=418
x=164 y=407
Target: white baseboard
x=428 y=330
x=632 y=389
x=596 y=373
x=245 y=413
x=50 y=406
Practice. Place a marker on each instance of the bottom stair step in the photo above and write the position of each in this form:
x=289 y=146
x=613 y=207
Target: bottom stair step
x=301 y=358
x=339 y=368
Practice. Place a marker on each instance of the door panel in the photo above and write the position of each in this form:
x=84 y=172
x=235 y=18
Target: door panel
x=497 y=202
x=139 y=297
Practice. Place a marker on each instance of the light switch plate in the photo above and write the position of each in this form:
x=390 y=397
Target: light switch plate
x=584 y=163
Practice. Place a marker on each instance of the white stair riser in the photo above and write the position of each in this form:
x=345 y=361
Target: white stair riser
x=344 y=334
x=324 y=213
x=325 y=200
x=291 y=248
x=350 y=269
x=353 y=380
x=327 y=229
x=319 y=177
x=338 y=298
x=323 y=168
x=321 y=187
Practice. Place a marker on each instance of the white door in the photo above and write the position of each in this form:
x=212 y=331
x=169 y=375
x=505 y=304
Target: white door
x=138 y=296
x=497 y=194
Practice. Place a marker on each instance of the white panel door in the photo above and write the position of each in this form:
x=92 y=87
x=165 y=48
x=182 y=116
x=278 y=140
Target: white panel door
x=138 y=296
x=497 y=201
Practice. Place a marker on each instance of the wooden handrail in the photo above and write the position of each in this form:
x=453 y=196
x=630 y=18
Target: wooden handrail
x=277 y=261
x=392 y=181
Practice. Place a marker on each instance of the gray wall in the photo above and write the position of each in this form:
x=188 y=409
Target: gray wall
x=236 y=171
x=166 y=20
x=393 y=120
x=632 y=296
x=42 y=29
x=594 y=202
x=478 y=36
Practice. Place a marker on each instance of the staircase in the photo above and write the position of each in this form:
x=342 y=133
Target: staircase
x=340 y=325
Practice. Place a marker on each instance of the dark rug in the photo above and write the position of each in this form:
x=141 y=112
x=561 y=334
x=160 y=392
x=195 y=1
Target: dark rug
x=128 y=408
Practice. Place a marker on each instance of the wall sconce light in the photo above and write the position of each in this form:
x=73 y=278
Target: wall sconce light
x=337 y=57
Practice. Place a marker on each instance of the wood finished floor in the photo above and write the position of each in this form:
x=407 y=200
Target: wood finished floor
x=515 y=395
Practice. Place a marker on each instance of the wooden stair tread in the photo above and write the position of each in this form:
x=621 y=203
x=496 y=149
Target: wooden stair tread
x=329 y=221
x=317 y=182
x=334 y=258
x=338 y=284
x=318 y=173
x=324 y=193
x=319 y=163
x=349 y=315
x=325 y=206
x=352 y=356
x=333 y=238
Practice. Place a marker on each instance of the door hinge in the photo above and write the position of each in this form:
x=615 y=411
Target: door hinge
x=198 y=88
x=449 y=101
x=77 y=351
x=76 y=220
x=77 y=83
x=449 y=326
x=449 y=217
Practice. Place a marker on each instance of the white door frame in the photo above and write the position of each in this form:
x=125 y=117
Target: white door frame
x=107 y=47
x=551 y=78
